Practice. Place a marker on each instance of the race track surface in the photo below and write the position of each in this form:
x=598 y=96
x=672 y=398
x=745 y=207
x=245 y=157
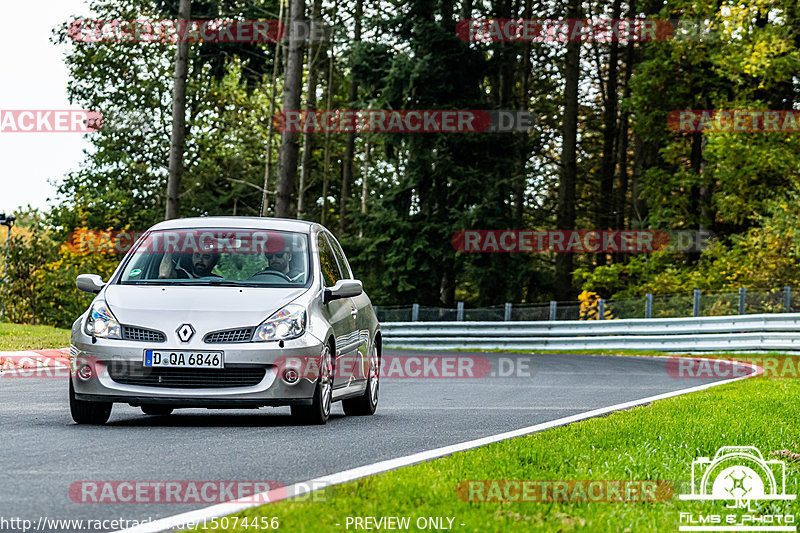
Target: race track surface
x=44 y=452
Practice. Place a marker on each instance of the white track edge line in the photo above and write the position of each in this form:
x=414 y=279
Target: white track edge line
x=312 y=485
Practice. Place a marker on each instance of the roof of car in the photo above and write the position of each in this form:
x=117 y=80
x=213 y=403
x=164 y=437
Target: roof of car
x=285 y=224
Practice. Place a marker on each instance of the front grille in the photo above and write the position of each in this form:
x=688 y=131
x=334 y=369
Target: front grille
x=133 y=333
x=229 y=335
x=186 y=378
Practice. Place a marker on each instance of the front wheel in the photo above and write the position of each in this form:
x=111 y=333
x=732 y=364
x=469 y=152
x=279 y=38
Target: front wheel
x=320 y=409
x=83 y=412
x=366 y=404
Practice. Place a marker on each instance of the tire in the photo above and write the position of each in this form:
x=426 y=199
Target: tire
x=320 y=410
x=157 y=410
x=83 y=412
x=366 y=404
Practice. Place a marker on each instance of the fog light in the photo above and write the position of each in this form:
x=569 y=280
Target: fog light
x=290 y=376
x=85 y=372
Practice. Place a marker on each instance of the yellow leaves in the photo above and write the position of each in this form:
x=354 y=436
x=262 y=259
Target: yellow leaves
x=590 y=303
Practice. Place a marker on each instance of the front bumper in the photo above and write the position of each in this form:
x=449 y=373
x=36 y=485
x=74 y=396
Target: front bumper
x=107 y=356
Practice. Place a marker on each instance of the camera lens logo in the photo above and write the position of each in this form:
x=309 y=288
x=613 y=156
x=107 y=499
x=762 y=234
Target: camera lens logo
x=738 y=473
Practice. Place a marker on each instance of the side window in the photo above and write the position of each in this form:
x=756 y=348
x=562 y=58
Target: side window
x=327 y=260
x=337 y=250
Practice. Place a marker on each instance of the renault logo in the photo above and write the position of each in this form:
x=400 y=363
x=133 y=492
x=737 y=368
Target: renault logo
x=185 y=332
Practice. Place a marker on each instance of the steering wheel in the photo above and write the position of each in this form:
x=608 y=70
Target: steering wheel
x=273 y=273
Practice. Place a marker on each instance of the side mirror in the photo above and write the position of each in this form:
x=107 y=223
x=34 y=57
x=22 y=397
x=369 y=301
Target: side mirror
x=90 y=283
x=344 y=288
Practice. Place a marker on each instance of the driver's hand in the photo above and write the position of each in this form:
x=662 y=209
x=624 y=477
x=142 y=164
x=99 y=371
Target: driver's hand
x=166 y=269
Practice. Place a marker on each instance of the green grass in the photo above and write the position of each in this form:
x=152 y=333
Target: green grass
x=21 y=337
x=654 y=442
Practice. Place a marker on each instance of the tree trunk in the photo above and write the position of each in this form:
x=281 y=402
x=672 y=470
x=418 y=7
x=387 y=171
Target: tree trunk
x=311 y=105
x=350 y=142
x=292 y=82
x=644 y=157
x=521 y=179
x=621 y=195
x=466 y=9
x=364 y=180
x=605 y=208
x=565 y=218
x=326 y=170
x=178 y=137
x=271 y=127
x=364 y=185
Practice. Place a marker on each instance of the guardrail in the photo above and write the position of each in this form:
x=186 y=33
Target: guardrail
x=591 y=307
x=752 y=333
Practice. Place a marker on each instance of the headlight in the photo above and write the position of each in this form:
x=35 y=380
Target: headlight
x=288 y=323
x=101 y=322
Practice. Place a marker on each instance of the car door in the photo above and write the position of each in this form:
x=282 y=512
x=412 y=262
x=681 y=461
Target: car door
x=340 y=313
x=362 y=306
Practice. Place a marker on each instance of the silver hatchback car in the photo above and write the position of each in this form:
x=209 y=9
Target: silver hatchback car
x=227 y=312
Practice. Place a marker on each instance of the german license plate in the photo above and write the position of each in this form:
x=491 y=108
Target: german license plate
x=183 y=359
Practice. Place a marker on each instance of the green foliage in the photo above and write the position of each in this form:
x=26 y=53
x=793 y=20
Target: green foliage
x=422 y=188
x=42 y=271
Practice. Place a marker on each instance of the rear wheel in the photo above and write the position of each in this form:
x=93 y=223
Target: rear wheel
x=366 y=404
x=320 y=409
x=84 y=412
x=157 y=410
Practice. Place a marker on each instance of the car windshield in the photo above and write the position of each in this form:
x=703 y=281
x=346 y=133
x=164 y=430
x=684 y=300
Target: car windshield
x=215 y=256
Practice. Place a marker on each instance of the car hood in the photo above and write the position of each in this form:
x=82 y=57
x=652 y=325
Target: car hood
x=206 y=308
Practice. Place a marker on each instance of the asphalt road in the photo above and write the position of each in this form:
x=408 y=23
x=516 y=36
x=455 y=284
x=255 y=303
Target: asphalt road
x=43 y=453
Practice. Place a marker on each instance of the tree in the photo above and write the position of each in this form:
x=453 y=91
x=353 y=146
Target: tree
x=287 y=156
x=350 y=139
x=177 y=140
x=311 y=106
x=569 y=167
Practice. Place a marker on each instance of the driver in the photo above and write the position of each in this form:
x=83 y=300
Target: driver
x=201 y=266
x=282 y=262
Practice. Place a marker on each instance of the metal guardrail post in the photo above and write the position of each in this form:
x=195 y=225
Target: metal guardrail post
x=507 y=314
x=742 y=294
x=553 y=306
x=460 y=311
x=415 y=313
x=696 y=303
x=648 y=305
x=601 y=309
x=787 y=299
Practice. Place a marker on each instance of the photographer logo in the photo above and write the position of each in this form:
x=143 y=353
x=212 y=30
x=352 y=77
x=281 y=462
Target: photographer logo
x=737 y=476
